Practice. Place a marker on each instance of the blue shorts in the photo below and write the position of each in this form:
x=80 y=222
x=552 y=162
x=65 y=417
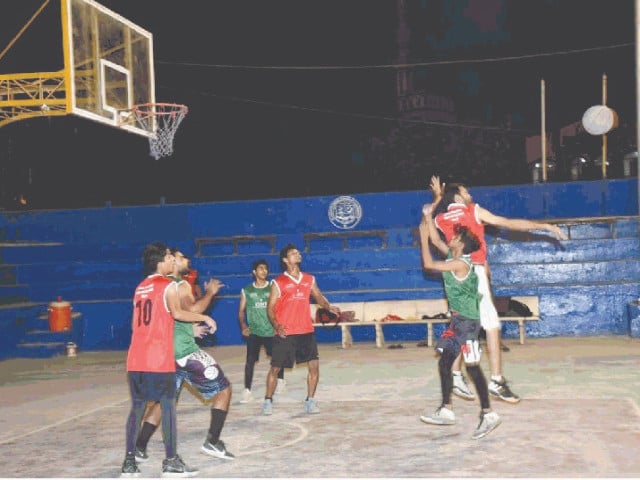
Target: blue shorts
x=200 y=370
x=151 y=386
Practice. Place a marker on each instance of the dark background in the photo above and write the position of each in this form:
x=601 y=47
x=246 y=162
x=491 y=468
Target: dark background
x=279 y=132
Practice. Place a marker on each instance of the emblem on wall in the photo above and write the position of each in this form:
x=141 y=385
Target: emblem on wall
x=345 y=212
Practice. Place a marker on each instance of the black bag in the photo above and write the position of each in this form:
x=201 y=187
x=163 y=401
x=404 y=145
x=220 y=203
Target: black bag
x=520 y=308
x=327 y=318
x=502 y=305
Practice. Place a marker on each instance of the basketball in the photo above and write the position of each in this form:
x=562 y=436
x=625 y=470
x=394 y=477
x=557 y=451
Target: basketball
x=599 y=119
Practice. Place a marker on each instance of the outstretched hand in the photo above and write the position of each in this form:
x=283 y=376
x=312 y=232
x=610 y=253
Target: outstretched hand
x=436 y=187
x=213 y=326
x=213 y=286
x=558 y=232
x=200 y=331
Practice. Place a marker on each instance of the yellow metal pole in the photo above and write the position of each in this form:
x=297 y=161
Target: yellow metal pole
x=22 y=30
x=65 y=11
x=604 y=137
x=543 y=135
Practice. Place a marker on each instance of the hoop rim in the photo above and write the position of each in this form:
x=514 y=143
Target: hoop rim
x=161 y=120
x=165 y=108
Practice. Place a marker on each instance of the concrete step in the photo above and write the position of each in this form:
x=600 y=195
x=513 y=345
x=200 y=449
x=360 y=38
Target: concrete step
x=47 y=336
x=13 y=294
x=40 y=349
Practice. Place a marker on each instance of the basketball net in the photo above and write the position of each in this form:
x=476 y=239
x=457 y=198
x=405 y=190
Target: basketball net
x=163 y=119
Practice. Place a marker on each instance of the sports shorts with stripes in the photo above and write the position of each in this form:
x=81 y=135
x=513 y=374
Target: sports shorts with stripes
x=202 y=372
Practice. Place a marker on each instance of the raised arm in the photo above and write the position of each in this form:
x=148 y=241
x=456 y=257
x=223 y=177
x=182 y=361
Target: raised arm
x=520 y=224
x=181 y=314
x=434 y=236
x=437 y=190
x=459 y=267
x=189 y=302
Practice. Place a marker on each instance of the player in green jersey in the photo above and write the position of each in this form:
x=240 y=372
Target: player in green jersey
x=255 y=325
x=461 y=288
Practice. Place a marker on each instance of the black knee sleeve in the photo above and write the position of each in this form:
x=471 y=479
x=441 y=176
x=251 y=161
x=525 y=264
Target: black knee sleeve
x=446 y=380
x=480 y=382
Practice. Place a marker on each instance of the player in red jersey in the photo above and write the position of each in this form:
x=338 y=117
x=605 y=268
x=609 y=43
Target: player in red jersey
x=460 y=210
x=289 y=312
x=150 y=359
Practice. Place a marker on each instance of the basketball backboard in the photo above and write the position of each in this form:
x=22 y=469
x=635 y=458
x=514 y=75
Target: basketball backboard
x=108 y=64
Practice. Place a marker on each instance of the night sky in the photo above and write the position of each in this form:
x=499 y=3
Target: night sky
x=280 y=132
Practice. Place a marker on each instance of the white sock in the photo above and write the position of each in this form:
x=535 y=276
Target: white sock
x=456 y=372
x=496 y=378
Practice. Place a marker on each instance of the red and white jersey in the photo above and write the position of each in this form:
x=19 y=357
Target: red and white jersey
x=467 y=216
x=292 y=308
x=151 y=348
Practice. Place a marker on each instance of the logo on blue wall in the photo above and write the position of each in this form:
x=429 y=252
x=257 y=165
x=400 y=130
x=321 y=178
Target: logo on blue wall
x=345 y=212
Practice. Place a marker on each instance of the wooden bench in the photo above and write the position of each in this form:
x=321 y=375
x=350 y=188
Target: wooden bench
x=374 y=314
x=532 y=303
x=358 y=308
x=411 y=312
x=529 y=301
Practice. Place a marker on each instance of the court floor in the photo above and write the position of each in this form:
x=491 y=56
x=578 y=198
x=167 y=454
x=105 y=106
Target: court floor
x=579 y=417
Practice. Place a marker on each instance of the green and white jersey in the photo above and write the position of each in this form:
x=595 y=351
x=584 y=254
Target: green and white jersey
x=462 y=293
x=256 y=309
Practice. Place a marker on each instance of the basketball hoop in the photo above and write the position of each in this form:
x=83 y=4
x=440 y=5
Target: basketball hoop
x=163 y=120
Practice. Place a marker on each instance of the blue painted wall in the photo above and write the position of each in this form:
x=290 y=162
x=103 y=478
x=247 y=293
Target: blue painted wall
x=92 y=258
x=179 y=223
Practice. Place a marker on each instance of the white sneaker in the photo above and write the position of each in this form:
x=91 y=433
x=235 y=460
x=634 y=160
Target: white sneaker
x=500 y=389
x=246 y=396
x=442 y=416
x=461 y=387
x=281 y=387
x=311 y=406
x=488 y=422
x=218 y=450
x=267 y=407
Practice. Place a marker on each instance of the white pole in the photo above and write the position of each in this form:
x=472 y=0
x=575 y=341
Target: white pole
x=604 y=137
x=638 y=96
x=543 y=134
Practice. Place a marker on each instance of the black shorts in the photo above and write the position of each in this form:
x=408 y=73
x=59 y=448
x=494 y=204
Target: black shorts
x=152 y=386
x=460 y=330
x=299 y=348
x=254 y=342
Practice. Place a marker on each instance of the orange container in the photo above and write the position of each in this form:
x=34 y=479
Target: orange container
x=60 y=316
